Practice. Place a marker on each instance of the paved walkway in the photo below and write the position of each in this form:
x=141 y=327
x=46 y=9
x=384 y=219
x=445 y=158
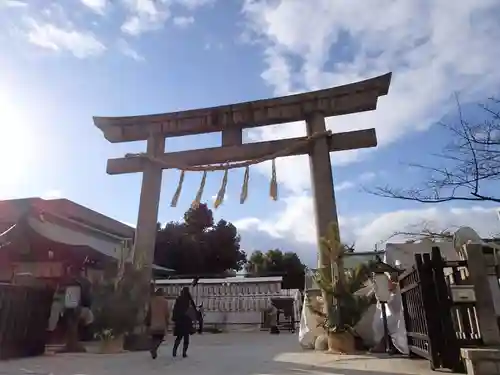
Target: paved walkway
x=221 y=354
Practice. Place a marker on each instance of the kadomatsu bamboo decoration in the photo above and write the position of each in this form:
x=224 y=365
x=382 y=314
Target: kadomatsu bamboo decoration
x=328 y=278
x=332 y=283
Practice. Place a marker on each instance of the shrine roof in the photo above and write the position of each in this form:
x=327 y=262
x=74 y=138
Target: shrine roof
x=63 y=222
x=351 y=98
x=12 y=210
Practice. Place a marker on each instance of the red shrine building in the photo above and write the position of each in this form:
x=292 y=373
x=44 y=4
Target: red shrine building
x=52 y=239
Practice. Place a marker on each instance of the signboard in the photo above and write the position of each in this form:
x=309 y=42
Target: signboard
x=463 y=293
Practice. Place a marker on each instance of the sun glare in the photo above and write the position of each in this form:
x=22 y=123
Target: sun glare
x=15 y=145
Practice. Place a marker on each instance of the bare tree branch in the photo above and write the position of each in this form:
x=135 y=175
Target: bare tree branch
x=421 y=231
x=469 y=161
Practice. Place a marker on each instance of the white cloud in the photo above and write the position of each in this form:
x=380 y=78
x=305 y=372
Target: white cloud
x=367 y=176
x=209 y=46
x=193 y=4
x=145 y=15
x=423 y=43
x=13 y=4
x=226 y=197
x=81 y=44
x=183 y=22
x=150 y=15
x=345 y=185
x=296 y=223
x=362 y=178
x=56 y=14
x=128 y=51
x=97 y=6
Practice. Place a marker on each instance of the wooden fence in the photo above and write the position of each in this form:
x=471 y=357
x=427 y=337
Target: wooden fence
x=24 y=315
x=439 y=311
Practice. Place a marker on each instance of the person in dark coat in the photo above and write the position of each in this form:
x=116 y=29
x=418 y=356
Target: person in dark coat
x=183 y=315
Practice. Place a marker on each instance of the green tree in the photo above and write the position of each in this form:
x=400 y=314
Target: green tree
x=199 y=219
x=199 y=247
x=277 y=263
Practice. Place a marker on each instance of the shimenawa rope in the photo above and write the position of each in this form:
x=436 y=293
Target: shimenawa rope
x=273 y=189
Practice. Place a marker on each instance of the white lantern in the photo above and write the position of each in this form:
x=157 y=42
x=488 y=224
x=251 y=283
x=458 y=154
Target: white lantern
x=382 y=292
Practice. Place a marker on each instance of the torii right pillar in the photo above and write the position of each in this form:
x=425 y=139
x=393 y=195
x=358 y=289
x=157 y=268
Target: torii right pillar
x=325 y=206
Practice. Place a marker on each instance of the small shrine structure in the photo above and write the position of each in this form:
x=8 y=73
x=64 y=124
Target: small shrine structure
x=234 y=303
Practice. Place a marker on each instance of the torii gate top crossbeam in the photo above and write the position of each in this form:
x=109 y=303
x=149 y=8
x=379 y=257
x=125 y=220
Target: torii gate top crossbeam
x=355 y=97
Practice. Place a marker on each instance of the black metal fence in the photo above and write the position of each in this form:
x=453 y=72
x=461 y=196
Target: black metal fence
x=439 y=310
x=417 y=317
x=24 y=315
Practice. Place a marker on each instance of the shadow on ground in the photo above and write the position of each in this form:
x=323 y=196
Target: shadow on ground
x=223 y=354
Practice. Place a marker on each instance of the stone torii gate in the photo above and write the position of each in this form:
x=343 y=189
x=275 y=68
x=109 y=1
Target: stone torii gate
x=312 y=107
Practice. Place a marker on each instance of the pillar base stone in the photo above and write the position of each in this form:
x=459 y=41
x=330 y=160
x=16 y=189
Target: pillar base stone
x=481 y=361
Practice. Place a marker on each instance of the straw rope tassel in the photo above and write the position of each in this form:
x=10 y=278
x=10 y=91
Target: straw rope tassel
x=177 y=194
x=222 y=191
x=244 y=187
x=199 y=194
x=273 y=189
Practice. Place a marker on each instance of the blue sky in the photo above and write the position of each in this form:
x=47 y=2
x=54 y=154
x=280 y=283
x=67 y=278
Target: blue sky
x=62 y=64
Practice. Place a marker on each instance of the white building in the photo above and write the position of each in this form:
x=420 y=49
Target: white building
x=232 y=302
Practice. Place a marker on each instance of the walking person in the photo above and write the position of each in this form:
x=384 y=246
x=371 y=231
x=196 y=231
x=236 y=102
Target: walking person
x=273 y=319
x=157 y=320
x=183 y=315
x=292 y=324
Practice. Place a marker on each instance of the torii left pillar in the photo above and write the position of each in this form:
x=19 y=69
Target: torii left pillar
x=147 y=219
